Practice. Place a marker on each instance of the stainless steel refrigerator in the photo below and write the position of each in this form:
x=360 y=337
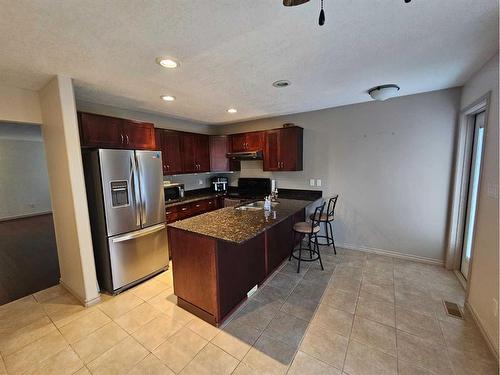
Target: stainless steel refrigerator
x=127 y=215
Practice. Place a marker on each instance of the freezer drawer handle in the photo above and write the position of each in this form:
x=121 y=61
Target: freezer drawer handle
x=139 y=233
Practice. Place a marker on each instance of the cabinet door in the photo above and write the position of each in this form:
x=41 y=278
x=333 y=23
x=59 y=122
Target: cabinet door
x=188 y=147
x=290 y=149
x=238 y=142
x=272 y=161
x=219 y=147
x=100 y=131
x=255 y=141
x=171 y=149
x=202 y=150
x=139 y=135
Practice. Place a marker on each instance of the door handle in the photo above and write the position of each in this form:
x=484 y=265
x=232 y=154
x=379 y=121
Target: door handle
x=136 y=193
x=139 y=233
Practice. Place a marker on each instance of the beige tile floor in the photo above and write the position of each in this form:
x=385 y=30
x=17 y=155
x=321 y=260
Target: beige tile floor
x=364 y=314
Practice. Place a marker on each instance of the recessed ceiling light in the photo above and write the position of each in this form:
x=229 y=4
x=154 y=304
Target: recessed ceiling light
x=167 y=62
x=232 y=110
x=168 y=98
x=282 y=83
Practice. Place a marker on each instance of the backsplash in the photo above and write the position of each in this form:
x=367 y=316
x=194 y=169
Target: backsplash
x=196 y=180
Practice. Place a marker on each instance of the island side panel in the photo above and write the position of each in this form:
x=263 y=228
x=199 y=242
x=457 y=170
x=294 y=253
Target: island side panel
x=279 y=240
x=240 y=267
x=194 y=271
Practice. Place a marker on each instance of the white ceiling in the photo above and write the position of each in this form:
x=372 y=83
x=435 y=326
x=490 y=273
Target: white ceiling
x=232 y=50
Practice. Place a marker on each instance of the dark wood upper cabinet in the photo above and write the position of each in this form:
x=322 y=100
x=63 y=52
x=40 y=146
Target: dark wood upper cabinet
x=220 y=145
x=188 y=149
x=195 y=153
x=110 y=132
x=100 y=131
x=252 y=141
x=139 y=135
x=170 y=145
x=202 y=153
x=284 y=149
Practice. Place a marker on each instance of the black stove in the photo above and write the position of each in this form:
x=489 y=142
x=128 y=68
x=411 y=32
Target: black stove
x=251 y=188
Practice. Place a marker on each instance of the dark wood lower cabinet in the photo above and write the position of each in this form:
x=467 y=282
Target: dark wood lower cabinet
x=212 y=277
x=184 y=211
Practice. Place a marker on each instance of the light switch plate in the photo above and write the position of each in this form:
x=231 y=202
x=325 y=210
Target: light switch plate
x=318 y=182
x=311 y=182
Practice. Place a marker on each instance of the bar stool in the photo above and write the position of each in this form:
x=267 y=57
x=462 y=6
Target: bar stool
x=327 y=219
x=310 y=229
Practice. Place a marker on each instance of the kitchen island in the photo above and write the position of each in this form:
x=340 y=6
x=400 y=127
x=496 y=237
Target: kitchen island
x=219 y=256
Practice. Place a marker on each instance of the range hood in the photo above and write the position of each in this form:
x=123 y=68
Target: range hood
x=247 y=155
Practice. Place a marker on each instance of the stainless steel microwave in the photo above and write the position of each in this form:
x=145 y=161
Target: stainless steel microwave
x=173 y=192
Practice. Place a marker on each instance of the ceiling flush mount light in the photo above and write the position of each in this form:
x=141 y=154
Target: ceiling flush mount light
x=281 y=83
x=383 y=92
x=168 y=98
x=167 y=62
x=232 y=110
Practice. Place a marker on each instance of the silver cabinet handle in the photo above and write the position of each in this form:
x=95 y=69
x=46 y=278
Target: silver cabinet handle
x=139 y=233
x=168 y=212
x=209 y=202
x=184 y=208
x=126 y=135
x=135 y=189
x=121 y=137
x=197 y=206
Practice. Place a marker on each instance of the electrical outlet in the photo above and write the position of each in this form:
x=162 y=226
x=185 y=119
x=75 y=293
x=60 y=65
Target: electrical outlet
x=200 y=182
x=492 y=191
x=495 y=307
x=318 y=182
x=311 y=182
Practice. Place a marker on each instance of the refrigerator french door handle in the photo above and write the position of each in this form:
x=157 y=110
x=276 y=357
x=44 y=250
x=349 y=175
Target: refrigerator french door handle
x=142 y=201
x=135 y=189
x=139 y=233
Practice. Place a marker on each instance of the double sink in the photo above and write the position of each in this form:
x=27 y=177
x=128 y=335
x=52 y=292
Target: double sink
x=254 y=206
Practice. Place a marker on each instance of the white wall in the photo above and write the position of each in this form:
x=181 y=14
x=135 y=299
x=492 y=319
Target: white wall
x=67 y=186
x=484 y=277
x=24 y=184
x=19 y=105
x=390 y=162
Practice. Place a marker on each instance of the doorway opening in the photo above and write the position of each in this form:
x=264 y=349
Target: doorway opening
x=28 y=250
x=477 y=121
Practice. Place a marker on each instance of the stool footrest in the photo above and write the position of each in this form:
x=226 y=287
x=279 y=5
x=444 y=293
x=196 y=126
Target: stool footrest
x=306 y=250
x=329 y=241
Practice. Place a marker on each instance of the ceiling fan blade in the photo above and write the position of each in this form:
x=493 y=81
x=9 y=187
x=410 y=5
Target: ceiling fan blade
x=292 y=3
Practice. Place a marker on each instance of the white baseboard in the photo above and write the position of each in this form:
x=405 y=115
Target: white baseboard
x=487 y=338
x=85 y=303
x=391 y=253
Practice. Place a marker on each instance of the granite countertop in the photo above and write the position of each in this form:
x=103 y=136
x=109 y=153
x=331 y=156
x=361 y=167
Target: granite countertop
x=238 y=226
